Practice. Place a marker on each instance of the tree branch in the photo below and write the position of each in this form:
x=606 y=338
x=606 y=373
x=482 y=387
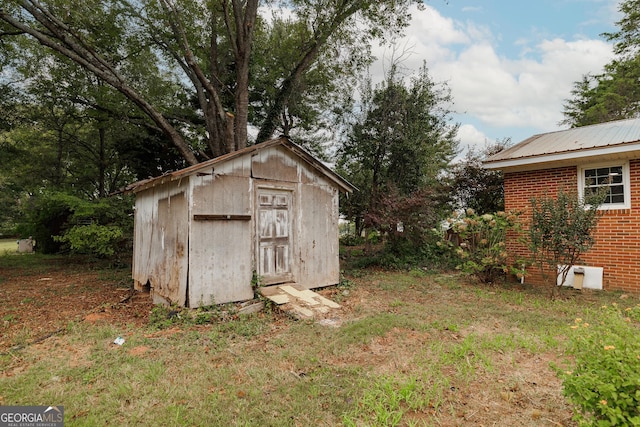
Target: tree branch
x=63 y=41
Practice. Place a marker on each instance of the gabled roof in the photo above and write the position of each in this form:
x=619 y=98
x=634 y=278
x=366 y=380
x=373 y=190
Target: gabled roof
x=284 y=142
x=610 y=140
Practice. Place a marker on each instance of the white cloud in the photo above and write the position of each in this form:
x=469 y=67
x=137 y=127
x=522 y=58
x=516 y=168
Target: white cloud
x=526 y=91
x=471 y=137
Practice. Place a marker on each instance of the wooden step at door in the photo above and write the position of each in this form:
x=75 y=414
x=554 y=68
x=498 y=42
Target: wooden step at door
x=299 y=302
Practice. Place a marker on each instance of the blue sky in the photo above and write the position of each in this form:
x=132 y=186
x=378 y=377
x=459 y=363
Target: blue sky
x=510 y=64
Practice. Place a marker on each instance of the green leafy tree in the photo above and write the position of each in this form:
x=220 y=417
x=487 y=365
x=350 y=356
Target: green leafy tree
x=62 y=222
x=187 y=66
x=475 y=187
x=561 y=230
x=614 y=94
x=398 y=147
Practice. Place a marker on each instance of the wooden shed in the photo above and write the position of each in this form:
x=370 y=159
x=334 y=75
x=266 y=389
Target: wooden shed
x=204 y=233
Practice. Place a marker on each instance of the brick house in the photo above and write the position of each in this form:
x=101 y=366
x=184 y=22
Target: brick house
x=603 y=155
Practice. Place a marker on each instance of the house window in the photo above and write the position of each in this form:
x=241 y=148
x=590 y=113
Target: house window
x=612 y=178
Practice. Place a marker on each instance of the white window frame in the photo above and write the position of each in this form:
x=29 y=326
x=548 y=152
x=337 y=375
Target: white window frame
x=625 y=183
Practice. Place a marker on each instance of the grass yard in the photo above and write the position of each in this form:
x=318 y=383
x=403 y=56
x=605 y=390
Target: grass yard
x=411 y=349
x=8 y=246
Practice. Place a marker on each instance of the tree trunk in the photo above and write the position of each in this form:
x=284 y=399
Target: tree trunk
x=102 y=161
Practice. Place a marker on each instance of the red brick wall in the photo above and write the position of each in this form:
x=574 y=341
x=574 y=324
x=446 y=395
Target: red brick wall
x=617 y=247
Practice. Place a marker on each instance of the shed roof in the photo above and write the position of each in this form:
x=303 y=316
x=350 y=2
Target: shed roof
x=284 y=142
x=615 y=139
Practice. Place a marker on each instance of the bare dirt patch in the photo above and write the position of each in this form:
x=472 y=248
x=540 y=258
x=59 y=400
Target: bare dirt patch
x=37 y=305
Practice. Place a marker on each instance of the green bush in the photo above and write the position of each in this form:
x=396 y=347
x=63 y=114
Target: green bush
x=61 y=222
x=604 y=381
x=482 y=248
x=561 y=231
x=352 y=240
x=93 y=239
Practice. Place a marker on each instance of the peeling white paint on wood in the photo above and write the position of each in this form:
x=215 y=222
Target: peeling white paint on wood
x=201 y=233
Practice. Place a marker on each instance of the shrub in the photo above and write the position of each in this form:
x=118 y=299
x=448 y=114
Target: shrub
x=93 y=239
x=604 y=381
x=562 y=230
x=351 y=240
x=63 y=222
x=482 y=248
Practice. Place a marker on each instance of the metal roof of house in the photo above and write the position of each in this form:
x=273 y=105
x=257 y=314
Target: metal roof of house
x=604 y=139
x=285 y=142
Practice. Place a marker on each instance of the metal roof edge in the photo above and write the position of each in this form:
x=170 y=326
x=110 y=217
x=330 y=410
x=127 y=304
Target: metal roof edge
x=564 y=156
x=144 y=184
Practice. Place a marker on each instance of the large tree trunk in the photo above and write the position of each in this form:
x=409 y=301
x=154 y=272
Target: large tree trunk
x=244 y=15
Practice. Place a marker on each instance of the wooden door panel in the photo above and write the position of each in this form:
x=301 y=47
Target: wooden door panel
x=274 y=229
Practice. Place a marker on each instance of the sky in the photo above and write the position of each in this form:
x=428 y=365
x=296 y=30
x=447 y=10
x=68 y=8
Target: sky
x=510 y=64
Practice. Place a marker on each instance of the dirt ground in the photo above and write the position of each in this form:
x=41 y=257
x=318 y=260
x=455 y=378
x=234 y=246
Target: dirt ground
x=40 y=304
x=524 y=391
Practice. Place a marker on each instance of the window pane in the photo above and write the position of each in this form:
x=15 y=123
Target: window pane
x=609 y=178
x=617 y=199
x=618 y=189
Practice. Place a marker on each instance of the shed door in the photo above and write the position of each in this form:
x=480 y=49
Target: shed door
x=274 y=235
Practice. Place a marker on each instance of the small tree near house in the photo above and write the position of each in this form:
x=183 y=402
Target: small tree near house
x=561 y=231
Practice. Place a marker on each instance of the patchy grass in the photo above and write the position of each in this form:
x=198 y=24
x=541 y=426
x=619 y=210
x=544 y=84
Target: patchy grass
x=8 y=246
x=412 y=349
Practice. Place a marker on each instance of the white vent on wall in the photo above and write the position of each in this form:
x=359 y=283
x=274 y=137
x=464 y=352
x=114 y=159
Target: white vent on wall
x=592 y=276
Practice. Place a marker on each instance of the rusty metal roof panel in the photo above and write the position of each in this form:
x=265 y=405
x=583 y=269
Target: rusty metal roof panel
x=603 y=135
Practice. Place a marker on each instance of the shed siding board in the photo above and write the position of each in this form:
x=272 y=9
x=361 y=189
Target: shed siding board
x=161 y=241
x=221 y=250
x=318 y=258
x=172 y=262
x=145 y=217
x=240 y=166
x=275 y=164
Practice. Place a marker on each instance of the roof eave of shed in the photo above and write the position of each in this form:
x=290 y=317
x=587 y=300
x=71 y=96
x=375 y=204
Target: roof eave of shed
x=342 y=183
x=544 y=161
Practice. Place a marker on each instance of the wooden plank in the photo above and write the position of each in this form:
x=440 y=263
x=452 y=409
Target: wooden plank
x=279 y=299
x=216 y=217
x=170 y=258
x=220 y=251
x=275 y=163
x=317 y=238
x=302 y=303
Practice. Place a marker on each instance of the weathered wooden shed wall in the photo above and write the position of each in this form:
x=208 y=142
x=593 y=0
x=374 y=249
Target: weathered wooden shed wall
x=202 y=233
x=221 y=243
x=314 y=258
x=319 y=263
x=161 y=241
